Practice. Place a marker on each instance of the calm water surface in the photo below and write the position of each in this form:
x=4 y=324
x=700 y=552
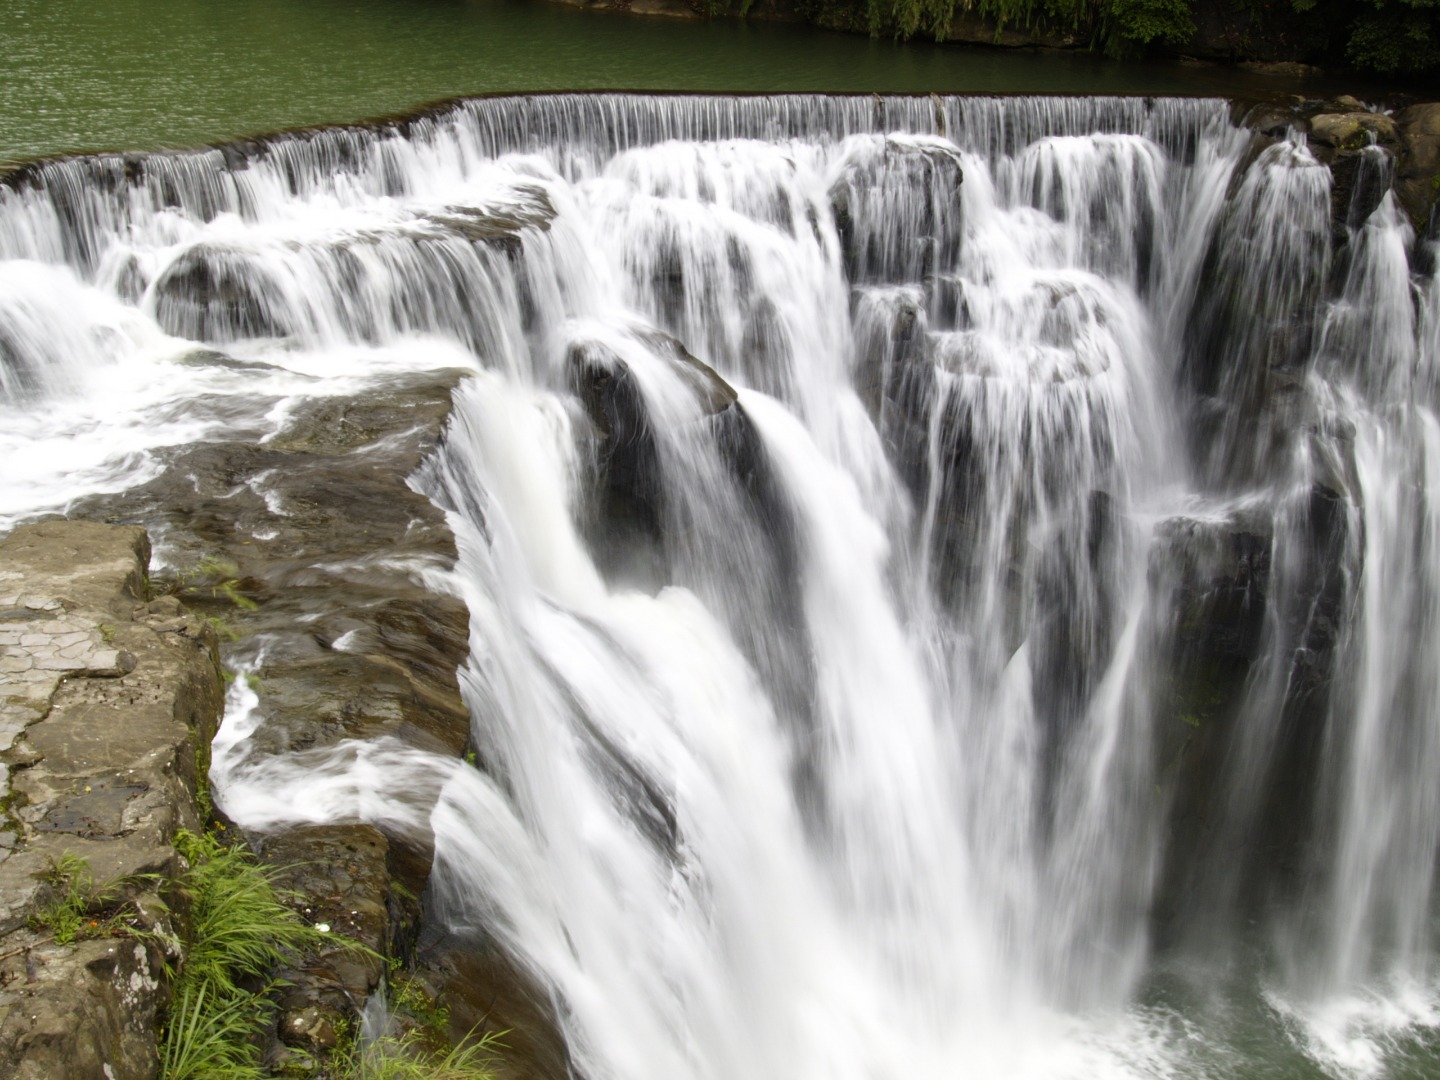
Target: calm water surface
x=139 y=74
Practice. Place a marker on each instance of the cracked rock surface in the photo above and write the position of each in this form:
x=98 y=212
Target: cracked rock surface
x=104 y=698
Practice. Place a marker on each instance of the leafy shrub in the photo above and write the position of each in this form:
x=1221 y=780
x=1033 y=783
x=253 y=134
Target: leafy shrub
x=1396 y=38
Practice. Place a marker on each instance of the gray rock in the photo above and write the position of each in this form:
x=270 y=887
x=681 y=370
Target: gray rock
x=102 y=769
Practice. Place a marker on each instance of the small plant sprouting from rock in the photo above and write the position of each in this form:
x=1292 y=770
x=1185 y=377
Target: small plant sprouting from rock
x=210 y=580
x=78 y=909
x=417 y=1044
x=409 y=1057
x=410 y=997
x=71 y=885
x=241 y=932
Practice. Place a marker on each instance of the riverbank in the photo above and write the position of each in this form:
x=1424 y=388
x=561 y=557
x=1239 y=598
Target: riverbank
x=1358 y=42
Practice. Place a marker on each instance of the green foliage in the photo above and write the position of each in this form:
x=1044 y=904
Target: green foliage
x=1122 y=26
x=1396 y=37
x=1130 y=24
x=240 y=932
x=240 y=926
x=420 y=1048
x=222 y=626
x=72 y=887
x=410 y=1056
x=204 y=1040
x=204 y=799
x=410 y=997
x=1391 y=37
x=77 y=909
x=905 y=18
x=211 y=579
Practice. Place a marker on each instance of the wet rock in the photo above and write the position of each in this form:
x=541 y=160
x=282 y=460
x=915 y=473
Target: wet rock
x=341 y=878
x=1217 y=575
x=629 y=511
x=499 y=227
x=1417 y=183
x=594 y=367
x=90 y=565
x=312 y=1027
x=203 y=358
x=319 y=529
x=212 y=293
x=1254 y=678
x=320 y=532
x=1360 y=182
x=895 y=374
x=1281 y=69
x=1271 y=119
x=88 y=1014
x=893 y=206
x=1353 y=130
x=487 y=992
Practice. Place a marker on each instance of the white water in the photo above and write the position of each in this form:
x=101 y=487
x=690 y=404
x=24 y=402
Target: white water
x=858 y=759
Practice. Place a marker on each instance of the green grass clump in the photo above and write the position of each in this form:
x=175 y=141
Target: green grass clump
x=72 y=887
x=420 y=1047
x=210 y=579
x=411 y=1056
x=206 y=1038
x=77 y=909
x=240 y=932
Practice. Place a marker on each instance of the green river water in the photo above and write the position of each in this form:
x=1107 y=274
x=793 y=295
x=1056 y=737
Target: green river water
x=142 y=74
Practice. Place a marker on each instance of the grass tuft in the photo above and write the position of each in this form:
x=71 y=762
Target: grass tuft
x=240 y=932
x=207 y=1041
x=72 y=887
x=410 y=1056
x=78 y=909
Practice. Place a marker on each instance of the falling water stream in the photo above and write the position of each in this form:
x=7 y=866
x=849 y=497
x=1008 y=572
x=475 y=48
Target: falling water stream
x=954 y=583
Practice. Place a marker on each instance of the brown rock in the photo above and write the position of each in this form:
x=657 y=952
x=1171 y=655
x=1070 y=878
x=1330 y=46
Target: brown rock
x=1352 y=130
x=1420 y=119
x=1281 y=69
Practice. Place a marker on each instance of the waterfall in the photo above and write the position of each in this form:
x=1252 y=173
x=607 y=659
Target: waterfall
x=953 y=582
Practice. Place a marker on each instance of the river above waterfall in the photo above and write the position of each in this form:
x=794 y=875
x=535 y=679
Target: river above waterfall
x=141 y=74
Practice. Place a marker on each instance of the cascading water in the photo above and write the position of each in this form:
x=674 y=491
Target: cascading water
x=952 y=581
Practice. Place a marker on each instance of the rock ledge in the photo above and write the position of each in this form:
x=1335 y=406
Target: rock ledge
x=104 y=700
